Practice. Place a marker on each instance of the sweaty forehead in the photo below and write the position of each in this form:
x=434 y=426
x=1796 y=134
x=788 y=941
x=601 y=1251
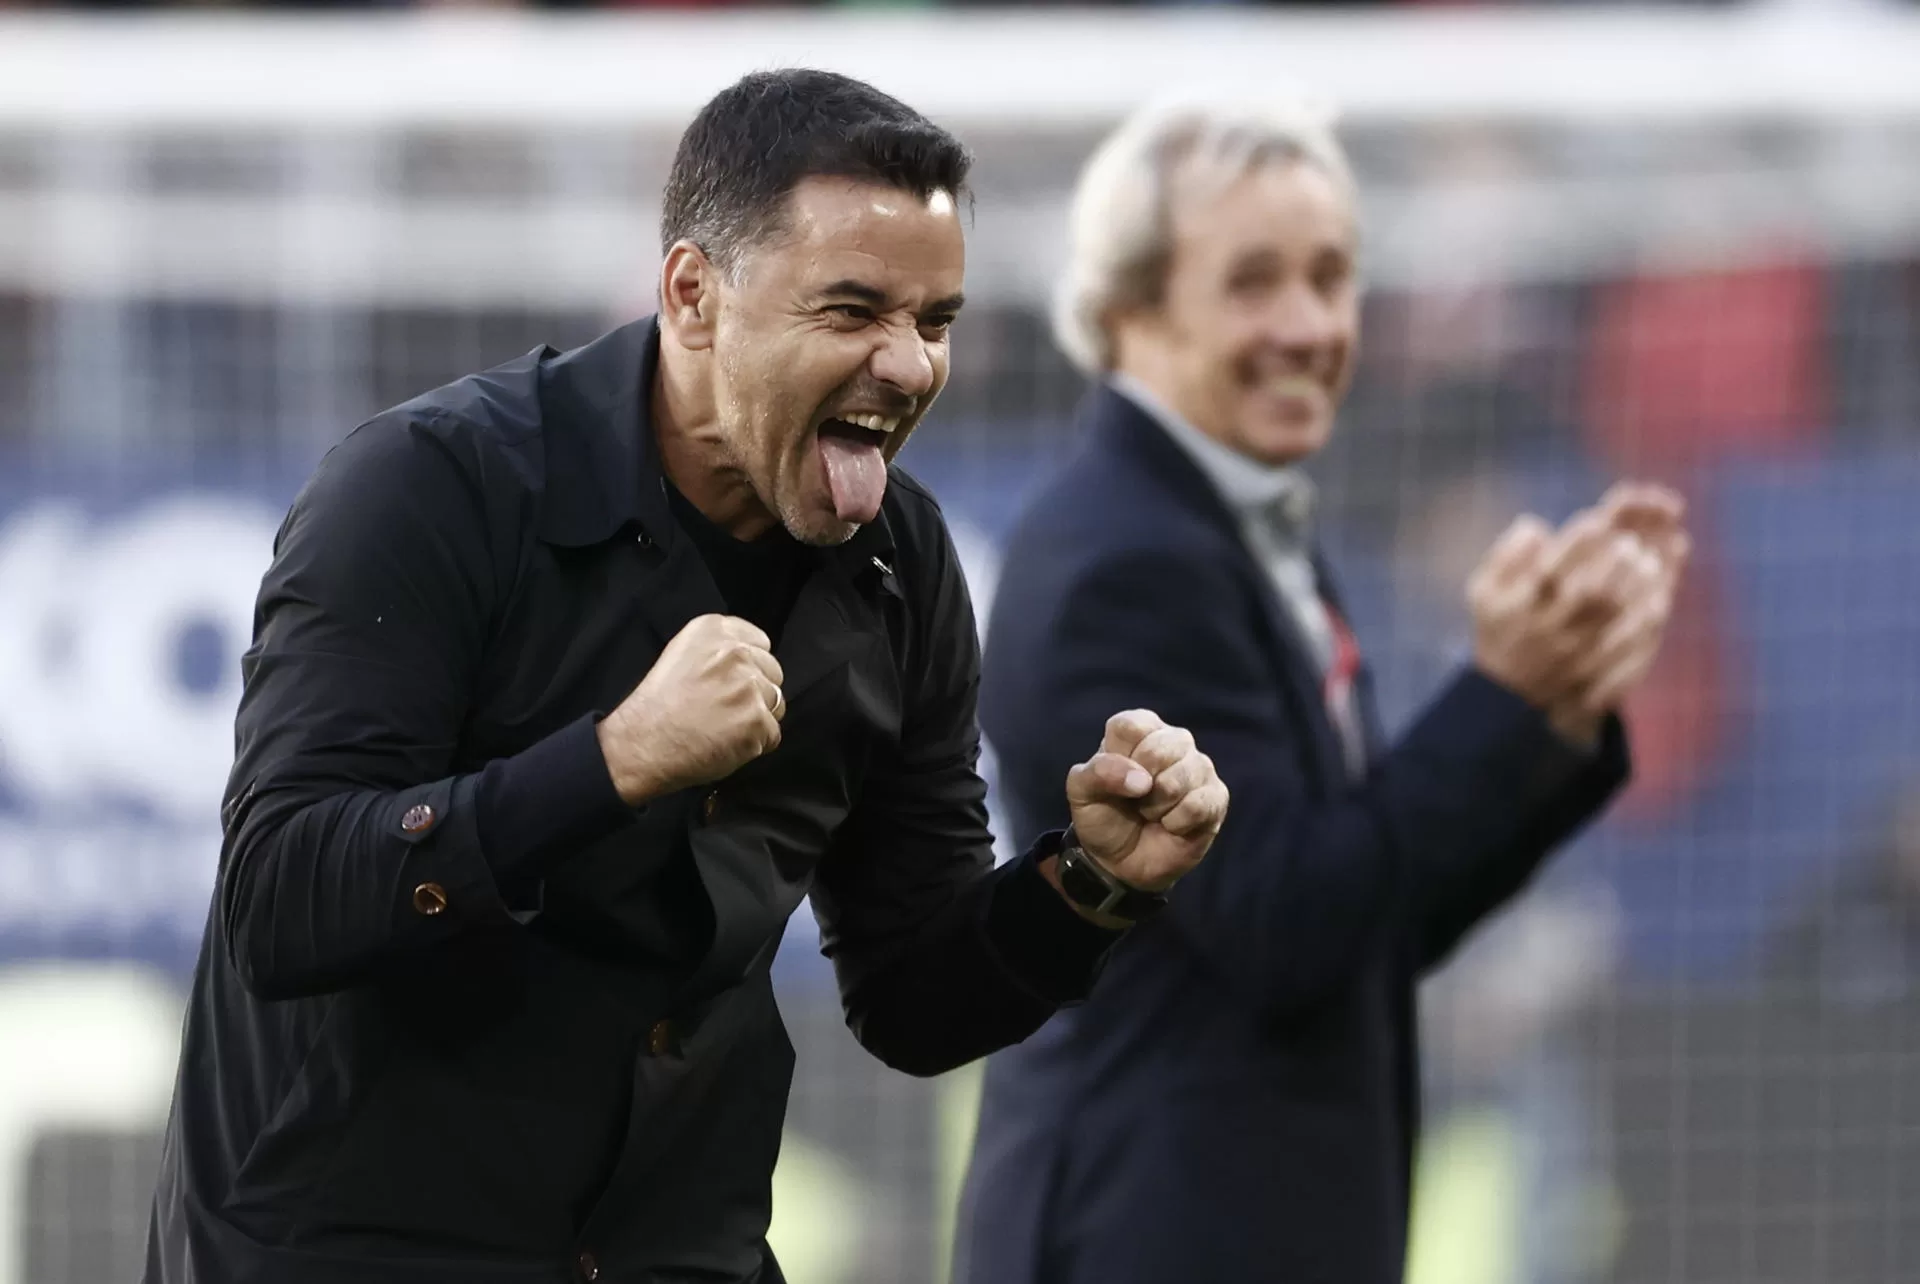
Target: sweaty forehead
x=836 y=229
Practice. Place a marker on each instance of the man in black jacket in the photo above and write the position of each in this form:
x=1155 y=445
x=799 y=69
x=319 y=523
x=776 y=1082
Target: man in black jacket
x=569 y=681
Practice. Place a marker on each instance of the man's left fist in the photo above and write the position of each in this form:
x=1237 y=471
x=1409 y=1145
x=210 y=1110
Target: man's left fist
x=1149 y=804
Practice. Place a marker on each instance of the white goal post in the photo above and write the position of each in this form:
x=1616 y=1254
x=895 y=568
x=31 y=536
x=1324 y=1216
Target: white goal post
x=82 y=101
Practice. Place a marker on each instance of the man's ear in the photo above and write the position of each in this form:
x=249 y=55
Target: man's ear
x=689 y=296
x=1136 y=335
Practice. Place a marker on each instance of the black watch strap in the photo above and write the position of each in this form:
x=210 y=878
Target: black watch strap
x=1089 y=885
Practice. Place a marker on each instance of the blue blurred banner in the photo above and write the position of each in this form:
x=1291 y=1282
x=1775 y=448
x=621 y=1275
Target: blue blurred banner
x=127 y=606
x=128 y=600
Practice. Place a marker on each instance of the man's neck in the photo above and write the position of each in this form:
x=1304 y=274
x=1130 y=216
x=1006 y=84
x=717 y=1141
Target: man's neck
x=694 y=452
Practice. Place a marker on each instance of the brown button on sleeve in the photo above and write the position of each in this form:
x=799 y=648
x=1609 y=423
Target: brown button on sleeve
x=660 y=1038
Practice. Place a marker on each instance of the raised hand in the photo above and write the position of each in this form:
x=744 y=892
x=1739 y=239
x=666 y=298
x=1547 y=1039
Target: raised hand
x=1619 y=659
x=1571 y=619
x=710 y=705
x=1654 y=513
x=1149 y=804
x=1505 y=596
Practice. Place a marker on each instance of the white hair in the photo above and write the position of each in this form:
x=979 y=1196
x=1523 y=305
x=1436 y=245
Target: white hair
x=1120 y=233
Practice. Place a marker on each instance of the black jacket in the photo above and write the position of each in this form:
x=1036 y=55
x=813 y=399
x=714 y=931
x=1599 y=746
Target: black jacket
x=1239 y=1100
x=460 y=1014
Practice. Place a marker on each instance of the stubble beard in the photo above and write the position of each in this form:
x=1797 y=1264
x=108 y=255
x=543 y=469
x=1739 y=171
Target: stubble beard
x=832 y=534
x=809 y=527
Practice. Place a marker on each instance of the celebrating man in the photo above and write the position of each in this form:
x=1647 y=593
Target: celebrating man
x=1238 y=1100
x=569 y=681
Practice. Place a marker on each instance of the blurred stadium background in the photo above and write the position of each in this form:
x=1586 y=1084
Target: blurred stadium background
x=1678 y=242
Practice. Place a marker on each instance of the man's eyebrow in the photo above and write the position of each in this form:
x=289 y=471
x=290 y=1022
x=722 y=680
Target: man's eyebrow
x=872 y=295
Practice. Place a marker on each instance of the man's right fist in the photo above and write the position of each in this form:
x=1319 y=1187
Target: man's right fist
x=710 y=705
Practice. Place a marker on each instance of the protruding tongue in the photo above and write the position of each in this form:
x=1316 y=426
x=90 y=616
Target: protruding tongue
x=856 y=474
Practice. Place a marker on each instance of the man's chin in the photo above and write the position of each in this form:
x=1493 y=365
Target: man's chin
x=1282 y=445
x=840 y=533
x=819 y=527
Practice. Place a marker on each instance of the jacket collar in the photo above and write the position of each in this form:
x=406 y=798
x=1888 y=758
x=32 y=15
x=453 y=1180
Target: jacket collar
x=1257 y=492
x=603 y=467
x=604 y=475
x=1120 y=427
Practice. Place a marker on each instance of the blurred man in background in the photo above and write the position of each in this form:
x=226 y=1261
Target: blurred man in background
x=1239 y=1101
x=569 y=682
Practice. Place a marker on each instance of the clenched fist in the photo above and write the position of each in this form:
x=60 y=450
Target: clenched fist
x=1149 y=804
x=710 y=705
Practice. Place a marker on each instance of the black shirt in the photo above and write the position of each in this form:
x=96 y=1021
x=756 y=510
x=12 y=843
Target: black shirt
x=758 y=578
x=460 y=1013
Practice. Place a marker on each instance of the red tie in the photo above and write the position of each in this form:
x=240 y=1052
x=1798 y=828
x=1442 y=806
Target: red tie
x=1337 y=687
x=1337 y=690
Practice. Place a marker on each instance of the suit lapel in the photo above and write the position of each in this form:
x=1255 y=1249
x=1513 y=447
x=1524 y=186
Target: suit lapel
x=1129 y=431
x=1296 y=667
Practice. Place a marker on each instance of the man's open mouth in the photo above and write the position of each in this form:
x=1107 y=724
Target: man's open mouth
x=856 y=469
x=868 y=429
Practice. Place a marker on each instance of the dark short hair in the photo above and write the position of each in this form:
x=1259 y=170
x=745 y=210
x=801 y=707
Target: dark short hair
x=757 y=139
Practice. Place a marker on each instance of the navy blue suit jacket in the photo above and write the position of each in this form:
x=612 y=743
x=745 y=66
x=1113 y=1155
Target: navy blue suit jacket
x=1238 y=1100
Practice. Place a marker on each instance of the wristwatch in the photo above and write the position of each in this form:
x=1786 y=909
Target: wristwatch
x=1089 y=885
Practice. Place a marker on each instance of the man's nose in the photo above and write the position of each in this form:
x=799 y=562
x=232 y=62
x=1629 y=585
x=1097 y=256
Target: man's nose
x=1301 y=322
x=903 y=362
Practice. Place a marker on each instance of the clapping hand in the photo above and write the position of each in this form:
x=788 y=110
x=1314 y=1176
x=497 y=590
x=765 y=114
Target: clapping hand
x=1572 y=620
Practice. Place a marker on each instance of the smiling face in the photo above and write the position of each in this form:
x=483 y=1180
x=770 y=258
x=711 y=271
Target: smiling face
x=1254 y=337
x=825 y=347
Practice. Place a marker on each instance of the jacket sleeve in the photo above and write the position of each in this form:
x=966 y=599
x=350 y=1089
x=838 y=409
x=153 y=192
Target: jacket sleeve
x=1301 y=890
x=349 y=841
x=1457 y=904
x=940 y=957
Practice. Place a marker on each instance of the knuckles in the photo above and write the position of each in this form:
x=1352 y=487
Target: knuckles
x=1142 y=721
